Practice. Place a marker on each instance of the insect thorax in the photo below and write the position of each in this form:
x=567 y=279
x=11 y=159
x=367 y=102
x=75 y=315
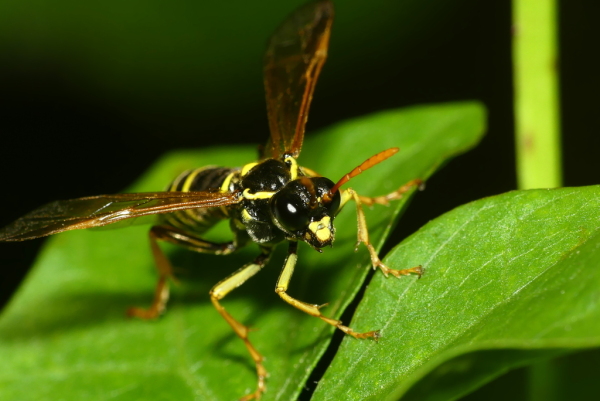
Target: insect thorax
x=258 y=182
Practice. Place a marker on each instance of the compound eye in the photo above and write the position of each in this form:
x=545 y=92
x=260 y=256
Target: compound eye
x=334 y=204
x=290 y=211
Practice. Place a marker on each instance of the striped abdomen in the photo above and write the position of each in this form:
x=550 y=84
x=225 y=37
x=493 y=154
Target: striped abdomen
x=201 y=179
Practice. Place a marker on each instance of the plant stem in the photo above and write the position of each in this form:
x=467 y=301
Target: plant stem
x=537 y=119
x=536 y=93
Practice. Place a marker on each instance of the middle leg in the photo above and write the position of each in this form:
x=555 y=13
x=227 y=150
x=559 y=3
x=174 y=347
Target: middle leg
x=224 y=287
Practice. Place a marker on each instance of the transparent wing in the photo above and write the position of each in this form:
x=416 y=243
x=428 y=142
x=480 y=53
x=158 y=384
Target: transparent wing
x=293 y=61
x=98 y=211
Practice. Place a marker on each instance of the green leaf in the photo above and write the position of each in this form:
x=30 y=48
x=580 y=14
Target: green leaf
x=508 y=280
x=65 y=330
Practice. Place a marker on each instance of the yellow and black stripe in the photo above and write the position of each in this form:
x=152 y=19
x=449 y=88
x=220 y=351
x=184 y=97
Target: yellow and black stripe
x=201 y=179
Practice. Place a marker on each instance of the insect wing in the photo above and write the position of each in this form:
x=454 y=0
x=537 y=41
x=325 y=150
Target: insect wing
x=98 y=211
x=293 y=61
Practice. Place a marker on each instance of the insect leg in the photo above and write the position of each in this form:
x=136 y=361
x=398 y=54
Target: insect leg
x=219 y=292
x=164 y=268
x=396 y=195
x=363 y=231
x=311 y=309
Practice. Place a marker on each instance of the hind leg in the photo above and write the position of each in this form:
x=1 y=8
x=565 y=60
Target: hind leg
x=165 y=269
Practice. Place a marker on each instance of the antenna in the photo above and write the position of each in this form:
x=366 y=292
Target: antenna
x=367 y=164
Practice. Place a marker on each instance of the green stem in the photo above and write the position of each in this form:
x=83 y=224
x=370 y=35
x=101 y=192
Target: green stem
x=536 y=93
x=537 y=119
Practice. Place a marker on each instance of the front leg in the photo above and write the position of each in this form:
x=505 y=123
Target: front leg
x=311 y=309
x=396 y=195
x=363 y=231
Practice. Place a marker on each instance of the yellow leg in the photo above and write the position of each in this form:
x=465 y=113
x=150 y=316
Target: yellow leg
x=311 y=309
x=396 y=195
x=363 y=232
x=223 y=288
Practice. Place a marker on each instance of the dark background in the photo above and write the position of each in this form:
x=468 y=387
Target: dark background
x=91 y=95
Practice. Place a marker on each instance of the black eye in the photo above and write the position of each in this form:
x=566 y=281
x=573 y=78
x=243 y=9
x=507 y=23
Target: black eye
x=290 y=211
x=334 y=205
x=323 y=186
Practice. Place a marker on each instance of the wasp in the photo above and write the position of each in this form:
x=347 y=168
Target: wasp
x=270 y=201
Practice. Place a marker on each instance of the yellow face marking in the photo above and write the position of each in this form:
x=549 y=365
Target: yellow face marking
x=247 y=168
x=321 y=229
x=257 y=195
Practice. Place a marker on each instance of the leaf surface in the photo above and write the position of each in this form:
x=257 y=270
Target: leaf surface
x=65 y=330
x=509 y=280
